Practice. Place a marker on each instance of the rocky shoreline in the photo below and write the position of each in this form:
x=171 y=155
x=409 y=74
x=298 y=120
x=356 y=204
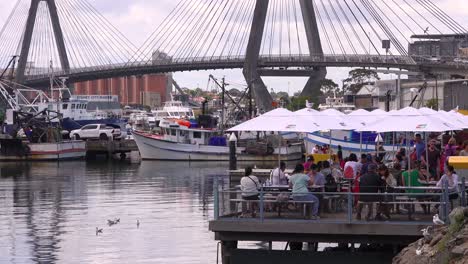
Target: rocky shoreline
x=446 y=244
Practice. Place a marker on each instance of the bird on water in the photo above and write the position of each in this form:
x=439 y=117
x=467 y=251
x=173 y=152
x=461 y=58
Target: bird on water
x=138 y=223
x=98 y=230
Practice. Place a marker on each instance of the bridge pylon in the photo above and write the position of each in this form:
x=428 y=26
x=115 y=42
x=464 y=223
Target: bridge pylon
x=315 y=47
x=251 y=71
x=28 y=32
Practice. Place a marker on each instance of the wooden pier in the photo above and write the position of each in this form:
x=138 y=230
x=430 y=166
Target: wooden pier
x=233 y=222
x=110 y=147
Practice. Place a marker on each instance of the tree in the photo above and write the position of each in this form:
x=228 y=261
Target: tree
x=297 y=103
x=329 y=87
x=357 y=78
x=433 y=104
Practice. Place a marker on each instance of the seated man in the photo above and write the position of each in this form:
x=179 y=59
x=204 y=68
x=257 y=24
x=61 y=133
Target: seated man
x=370 y=182
x=278 y=177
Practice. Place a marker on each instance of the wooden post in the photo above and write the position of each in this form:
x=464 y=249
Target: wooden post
x=226 y=251
x=232 y=152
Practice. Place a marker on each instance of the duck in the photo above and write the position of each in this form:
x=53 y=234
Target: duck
x=138 y=223
x=110 y=222
x=98 y=230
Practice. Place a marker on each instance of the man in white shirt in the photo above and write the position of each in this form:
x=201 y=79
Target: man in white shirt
x=278 y=176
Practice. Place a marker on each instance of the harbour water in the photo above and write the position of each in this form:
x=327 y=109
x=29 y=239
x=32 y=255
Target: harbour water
x=50 y=211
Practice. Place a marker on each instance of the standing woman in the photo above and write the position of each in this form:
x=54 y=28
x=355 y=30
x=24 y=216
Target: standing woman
x=449 y=150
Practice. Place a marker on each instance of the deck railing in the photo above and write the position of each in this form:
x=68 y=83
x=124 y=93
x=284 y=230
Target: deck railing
x=408 y=204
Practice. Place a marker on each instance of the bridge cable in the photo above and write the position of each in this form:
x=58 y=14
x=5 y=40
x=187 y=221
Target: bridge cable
x=198 y=47
x=449 y=18
x=352 y=27
x=340 y=44
x=11 y=20
x=382 y=14
x=152 y=41
x=362 y=28
x=288 y=19
x=91 y=34
x=236 y=16
x=119 y=44
x=177 y=36
x=425 y=19
x=337 y=17
x=206 y=34
x=386 y=30
x=97 y=27
x=228 y=13
x=196 y=33
x=297 y=28
x=80 y=32
x=140 y=53
x=243 y=14
x=117 y=33
x=397 y=16
x=13 y=27
x=243 y=42
x=77 y=31
x=409 y=16
x=438 y=15
x=322 y=25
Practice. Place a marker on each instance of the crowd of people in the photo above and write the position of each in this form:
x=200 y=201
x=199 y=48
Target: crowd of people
x=367 y=174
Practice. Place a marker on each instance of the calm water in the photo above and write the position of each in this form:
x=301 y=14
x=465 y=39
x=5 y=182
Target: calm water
x=49 y=212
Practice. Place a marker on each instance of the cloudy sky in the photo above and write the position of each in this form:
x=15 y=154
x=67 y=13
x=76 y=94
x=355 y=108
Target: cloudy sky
x=137 y=19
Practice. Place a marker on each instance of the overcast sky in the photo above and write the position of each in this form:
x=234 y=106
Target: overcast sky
x=137 y=19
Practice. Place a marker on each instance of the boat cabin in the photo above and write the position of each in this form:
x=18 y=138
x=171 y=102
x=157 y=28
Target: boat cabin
x=177 y=130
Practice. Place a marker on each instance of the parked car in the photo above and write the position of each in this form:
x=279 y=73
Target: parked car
x=460 y=60
x=97 y=131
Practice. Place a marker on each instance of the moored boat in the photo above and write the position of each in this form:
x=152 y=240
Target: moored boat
x=179 y=142
x=16 y=149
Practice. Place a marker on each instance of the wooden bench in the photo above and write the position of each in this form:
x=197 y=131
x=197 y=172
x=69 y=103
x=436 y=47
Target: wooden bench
x=411 y=202
x=274 y=201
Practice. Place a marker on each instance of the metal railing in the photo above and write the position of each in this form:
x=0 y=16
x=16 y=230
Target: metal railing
x=341 y=207
x=267 y=61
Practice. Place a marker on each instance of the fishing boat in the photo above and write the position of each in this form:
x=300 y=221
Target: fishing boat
x=17 y=150
x=179 y=141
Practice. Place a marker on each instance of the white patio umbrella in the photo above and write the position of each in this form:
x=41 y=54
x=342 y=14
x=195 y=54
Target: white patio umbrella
x=277 y=120
x=410 y=120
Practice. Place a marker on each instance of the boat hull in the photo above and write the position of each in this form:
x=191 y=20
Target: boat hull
x=67 y=150
x=153 y=148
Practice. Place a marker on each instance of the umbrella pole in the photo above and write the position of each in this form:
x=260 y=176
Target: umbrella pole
x=360 y=143
x=393 y=145
x=427 y=152
x=329 y=145
x=408 y=151
x=280 y=143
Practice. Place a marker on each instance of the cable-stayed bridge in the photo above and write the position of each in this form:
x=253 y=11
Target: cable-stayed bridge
x=262 y=37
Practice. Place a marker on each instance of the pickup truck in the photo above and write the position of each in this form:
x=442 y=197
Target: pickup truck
x=96 y=131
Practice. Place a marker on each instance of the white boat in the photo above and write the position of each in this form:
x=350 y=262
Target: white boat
x=15 y=149
x=336 y=103
x=179 y=142
x=173 y=109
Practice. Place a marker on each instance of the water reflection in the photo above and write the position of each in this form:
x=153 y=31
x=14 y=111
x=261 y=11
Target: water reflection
x=49 y=212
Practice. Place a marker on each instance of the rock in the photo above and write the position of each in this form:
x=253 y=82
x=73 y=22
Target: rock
x=458 y=251
x=457 y=215
x=436 y=240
